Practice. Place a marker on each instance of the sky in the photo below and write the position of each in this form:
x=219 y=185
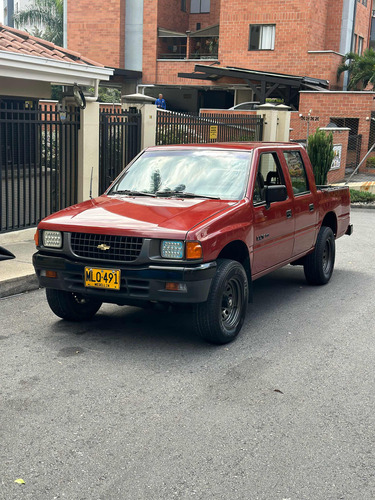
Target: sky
x=1 y=11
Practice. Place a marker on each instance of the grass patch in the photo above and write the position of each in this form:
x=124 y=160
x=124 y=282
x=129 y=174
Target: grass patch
x=361 y=196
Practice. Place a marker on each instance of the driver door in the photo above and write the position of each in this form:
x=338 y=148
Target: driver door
x=273 y=226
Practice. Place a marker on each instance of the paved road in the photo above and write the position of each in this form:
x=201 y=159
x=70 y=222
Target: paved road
x=133 y=406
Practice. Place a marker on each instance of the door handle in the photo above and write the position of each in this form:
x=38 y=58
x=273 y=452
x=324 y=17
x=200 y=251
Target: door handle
x=288 y=214
x=311 y=207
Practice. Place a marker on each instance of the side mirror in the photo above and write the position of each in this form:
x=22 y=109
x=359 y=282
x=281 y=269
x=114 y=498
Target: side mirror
x=275 y=193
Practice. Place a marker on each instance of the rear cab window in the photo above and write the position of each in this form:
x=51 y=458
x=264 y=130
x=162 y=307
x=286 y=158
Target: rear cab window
x=297 y=172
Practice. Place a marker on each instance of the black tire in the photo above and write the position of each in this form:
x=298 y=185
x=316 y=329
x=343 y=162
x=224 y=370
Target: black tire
x=220 y=319
x=319 y=264
x=72 y=306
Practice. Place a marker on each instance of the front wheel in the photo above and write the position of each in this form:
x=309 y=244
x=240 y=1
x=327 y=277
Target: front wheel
x=319 y=264
x=220 y=319
x=72 y=306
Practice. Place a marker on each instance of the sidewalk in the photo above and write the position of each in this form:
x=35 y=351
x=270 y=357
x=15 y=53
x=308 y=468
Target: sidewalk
x=17 y=275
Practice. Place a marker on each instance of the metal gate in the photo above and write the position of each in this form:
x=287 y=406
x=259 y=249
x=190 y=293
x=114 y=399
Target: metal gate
x=38 y=162
x=184 y=128
x=119 y=142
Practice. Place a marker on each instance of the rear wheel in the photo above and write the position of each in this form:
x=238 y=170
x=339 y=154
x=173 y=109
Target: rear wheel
x=72 y=306
x=220 y=319
x=319 y=264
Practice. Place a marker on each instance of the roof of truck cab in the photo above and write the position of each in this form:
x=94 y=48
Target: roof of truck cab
x=244 y=146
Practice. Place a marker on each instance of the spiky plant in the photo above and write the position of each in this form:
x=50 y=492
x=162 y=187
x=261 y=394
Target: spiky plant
x=46 y=15
x=320 y=151
x=361 y=69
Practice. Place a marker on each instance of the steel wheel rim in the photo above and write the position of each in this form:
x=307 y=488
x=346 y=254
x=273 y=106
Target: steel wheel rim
x=327 y=257
x=231 y=303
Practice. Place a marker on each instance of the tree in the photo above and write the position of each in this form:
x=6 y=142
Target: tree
x=321 y=154
x=46 y=15
x=361 y=69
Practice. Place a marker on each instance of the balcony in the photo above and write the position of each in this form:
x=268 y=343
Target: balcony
x=201 y=44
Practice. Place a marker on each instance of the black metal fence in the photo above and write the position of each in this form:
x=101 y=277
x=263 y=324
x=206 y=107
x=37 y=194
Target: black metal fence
x=38 y=162
x=120 y=142
x=183 y=128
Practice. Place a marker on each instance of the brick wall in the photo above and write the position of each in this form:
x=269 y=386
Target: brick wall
x=327 y=105
x=333 y=31
x=96 y=30
x=302 y=27
x=362 y=22
x=339 y=138
x=150 y=41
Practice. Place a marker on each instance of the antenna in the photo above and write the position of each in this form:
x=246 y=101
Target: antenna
x=92 y=172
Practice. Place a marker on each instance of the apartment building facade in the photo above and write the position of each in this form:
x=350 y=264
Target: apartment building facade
x=167 y=39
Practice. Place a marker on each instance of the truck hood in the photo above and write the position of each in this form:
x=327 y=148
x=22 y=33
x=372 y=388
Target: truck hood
x=136 y=216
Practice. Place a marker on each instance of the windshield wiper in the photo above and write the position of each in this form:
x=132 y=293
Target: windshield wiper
x=182 y=194
x=132 y=193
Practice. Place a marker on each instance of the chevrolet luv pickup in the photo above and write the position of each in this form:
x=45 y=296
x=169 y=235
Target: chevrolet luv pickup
x=195 y=225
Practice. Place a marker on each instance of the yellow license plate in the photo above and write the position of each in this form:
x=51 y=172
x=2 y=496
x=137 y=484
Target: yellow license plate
x=102 y=278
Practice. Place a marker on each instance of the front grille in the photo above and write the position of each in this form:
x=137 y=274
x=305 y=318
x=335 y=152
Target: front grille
x=121 y=248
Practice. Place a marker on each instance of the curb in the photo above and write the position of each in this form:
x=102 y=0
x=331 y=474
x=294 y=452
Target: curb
x=18 y=285
x=365 y=206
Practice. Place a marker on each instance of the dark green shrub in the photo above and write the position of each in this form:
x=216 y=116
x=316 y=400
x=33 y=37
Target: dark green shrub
x=361 y=196
x=370 y=163
x=320 y=151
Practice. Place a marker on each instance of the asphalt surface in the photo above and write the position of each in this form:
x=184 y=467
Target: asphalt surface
x=133 y=406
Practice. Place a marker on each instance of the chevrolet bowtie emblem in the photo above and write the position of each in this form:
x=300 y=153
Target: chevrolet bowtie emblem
x=103 y=247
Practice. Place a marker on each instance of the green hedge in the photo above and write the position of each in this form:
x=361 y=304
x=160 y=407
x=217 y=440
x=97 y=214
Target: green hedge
x=361 y=196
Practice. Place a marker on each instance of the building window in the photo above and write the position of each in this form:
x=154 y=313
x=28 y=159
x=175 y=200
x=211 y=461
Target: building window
x=262 y=36
x=183 y=5
x=199 y=6
x=360 y=45
x=354 y=43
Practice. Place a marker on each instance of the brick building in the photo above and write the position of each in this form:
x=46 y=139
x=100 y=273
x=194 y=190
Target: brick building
x=165 y=39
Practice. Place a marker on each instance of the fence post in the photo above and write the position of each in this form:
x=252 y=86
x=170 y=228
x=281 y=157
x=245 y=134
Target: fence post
x=88 y=152
x=269 y=115
x=145 y=105
x=283 y=124
x=276 y=122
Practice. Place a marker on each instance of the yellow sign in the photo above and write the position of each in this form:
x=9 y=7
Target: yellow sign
x=213 y=131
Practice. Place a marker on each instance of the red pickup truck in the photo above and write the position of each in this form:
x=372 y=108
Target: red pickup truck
x=194 y=225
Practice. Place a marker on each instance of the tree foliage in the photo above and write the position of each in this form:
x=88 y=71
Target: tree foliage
x=361 y=69
x=47 y=15
x=321 y=154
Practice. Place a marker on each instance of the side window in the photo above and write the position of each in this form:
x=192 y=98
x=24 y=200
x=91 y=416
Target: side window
x=297 y=172
x=269 y=173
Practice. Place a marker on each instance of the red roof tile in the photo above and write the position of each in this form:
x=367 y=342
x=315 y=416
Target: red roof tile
x=13 y=40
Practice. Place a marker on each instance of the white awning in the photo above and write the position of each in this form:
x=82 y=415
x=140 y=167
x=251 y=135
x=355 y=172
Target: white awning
x=27 y=67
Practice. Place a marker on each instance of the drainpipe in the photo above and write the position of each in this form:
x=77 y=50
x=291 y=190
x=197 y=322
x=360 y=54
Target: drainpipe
x=354 y=19
x=65 y=24
x=94 y=98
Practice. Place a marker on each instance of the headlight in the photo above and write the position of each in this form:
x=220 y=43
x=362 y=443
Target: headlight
x=172 y=249
x=52 y=239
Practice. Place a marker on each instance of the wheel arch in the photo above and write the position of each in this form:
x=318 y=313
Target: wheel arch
x=237 y=250
x=330 y=220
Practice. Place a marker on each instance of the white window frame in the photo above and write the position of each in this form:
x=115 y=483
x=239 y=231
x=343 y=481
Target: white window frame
x=263 y=43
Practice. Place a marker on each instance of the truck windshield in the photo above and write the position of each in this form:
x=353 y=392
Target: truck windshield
x=189 y=173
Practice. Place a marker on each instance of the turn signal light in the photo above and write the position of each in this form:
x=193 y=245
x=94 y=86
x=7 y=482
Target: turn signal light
x=193 y=250
x=51 y=274
x=36 y=238
x=176 y=287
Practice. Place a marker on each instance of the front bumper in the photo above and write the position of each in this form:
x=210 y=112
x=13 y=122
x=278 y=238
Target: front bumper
x=138 y=283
